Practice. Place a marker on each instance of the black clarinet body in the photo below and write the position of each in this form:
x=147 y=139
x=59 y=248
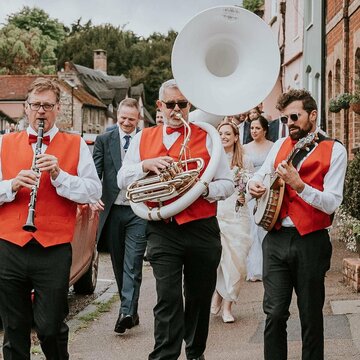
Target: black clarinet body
x=30 y=222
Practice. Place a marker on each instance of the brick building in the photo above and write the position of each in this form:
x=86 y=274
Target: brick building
x=342 y=21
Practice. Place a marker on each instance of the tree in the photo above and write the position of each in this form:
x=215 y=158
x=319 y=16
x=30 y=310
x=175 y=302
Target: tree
x=252 y=5
x=142 y=60
x=26 y=51
x=30 y=18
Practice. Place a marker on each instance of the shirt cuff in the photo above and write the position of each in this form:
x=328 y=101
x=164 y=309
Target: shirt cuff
x=59 y=180
x=10 y=195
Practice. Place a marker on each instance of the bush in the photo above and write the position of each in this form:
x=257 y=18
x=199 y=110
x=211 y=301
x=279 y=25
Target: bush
x=351 y=201
x=348 y=230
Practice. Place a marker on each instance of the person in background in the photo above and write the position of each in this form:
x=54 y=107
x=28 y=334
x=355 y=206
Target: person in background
x=159 y=117
x=119 y=227
x=234 y=221
x=277 y=130
x=297 y=251
x=9 y=128
x=184 y=251
x=254 y=114
x=257 y=150
x=244 y=128
x=40 y=260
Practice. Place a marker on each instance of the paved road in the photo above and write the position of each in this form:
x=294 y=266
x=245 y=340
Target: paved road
x=95 y=340
x=239 y=341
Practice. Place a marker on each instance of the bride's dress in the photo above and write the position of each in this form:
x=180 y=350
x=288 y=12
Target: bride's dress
x=235 y=228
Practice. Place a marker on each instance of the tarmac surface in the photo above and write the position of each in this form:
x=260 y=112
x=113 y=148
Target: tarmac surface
x=92 y=336
x=242 y=340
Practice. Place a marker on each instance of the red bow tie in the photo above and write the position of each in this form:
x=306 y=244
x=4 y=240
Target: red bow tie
x=33 y=139
x=170 y=130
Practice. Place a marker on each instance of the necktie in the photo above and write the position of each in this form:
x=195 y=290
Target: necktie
x=33 y=139
x=283 y=130
x=170 y=130
x=127 y=142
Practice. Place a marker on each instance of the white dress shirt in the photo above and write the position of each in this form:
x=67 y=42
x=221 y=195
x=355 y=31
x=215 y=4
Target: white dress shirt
x=83 y=188
x=220 y=188
x=241 y=132
x=121 y=198
x=327 y=200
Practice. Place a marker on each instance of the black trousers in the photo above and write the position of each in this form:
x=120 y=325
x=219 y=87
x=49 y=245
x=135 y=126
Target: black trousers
x=186 y=254
x=292 y=261
x=46 y=270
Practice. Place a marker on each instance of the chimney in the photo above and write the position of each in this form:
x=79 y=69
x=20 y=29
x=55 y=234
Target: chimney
x=100 y=60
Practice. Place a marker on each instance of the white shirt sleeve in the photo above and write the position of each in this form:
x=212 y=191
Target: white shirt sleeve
x=83 y=188
x=330 y=198
x=220 y=188
x=6 y=193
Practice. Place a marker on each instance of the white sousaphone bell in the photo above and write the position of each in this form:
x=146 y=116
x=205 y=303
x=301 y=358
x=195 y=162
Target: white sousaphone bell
x=225 y=61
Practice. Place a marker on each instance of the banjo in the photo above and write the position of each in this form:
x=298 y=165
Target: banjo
x=267 y=208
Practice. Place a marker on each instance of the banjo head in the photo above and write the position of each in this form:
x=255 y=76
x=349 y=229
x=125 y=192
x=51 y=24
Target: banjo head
x=261 y=203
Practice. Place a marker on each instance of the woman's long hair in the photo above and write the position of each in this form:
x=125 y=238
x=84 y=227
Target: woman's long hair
x=238 y=153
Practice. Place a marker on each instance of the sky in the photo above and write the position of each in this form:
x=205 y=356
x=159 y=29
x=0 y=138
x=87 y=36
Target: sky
x=143 y=17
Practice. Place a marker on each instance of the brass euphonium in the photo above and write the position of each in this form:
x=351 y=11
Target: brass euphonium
x=30 y=222
x=172 y=181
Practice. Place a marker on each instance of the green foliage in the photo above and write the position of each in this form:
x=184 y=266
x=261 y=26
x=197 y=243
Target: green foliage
x=252 y=5
x=142 y=60
x=347 y=229
x=29 y=18
x=26 y=51
x=351 y=201
x=341 y=101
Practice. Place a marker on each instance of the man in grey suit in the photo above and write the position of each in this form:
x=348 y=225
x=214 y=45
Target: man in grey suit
x=123 y=231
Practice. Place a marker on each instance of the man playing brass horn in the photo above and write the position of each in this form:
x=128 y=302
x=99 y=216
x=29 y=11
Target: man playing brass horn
x=297 y=250
x=189 y=242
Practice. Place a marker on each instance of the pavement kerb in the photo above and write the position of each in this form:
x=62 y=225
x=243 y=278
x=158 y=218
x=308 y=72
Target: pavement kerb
x=76 y=322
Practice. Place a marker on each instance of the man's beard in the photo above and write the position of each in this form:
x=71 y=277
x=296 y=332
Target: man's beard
x=300 y=133
x=173 y=121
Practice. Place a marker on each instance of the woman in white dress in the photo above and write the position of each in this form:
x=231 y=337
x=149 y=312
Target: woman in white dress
x=257 y=151
x=234 y=227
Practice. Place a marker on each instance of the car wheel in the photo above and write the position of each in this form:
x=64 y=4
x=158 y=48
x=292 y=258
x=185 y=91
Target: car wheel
x=87 y=283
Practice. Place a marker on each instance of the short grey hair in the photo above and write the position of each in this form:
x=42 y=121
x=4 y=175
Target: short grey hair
x=167 y=85
x=130 y=102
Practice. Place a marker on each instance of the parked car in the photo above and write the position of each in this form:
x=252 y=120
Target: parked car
x=85 y=258
x=84 y=268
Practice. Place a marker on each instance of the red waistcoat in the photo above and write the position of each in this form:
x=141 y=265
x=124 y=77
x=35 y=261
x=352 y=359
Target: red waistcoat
x=151 y=146
x=55 y=215
x=305 y=217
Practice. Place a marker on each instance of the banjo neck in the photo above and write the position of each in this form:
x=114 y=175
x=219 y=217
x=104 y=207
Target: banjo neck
x=301 y=144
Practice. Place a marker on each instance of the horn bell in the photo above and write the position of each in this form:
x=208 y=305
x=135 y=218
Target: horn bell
x=225 y=60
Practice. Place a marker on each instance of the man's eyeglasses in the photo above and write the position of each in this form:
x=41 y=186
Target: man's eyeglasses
x=171 y=104
x=293 y=117
x=37 y=106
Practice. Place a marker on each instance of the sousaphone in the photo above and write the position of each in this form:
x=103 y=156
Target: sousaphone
x=225 y=61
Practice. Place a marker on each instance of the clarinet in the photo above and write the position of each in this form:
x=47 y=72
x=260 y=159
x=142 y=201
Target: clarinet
x=30 y=225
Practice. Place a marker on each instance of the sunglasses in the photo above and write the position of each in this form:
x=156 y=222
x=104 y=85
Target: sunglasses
x=171 y=104
x=293 y=117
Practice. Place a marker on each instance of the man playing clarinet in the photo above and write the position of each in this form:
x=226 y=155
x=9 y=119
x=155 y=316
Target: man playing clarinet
x=65 y=175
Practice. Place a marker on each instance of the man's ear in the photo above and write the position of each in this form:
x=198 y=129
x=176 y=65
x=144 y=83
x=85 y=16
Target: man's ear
x=159 y=104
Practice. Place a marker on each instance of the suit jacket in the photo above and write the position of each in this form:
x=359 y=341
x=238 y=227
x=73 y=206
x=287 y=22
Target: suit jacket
x=247 y=135
x=107 y=158
x=274 y=130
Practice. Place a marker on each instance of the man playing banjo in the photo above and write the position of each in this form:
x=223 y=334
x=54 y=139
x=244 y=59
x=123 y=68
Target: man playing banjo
x=297 y=250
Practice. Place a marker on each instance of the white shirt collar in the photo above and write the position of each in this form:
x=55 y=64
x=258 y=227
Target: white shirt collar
x=52 y=132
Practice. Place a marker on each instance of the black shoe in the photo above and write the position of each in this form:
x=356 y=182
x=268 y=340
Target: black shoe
x=126 y=322
x=201 y=357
